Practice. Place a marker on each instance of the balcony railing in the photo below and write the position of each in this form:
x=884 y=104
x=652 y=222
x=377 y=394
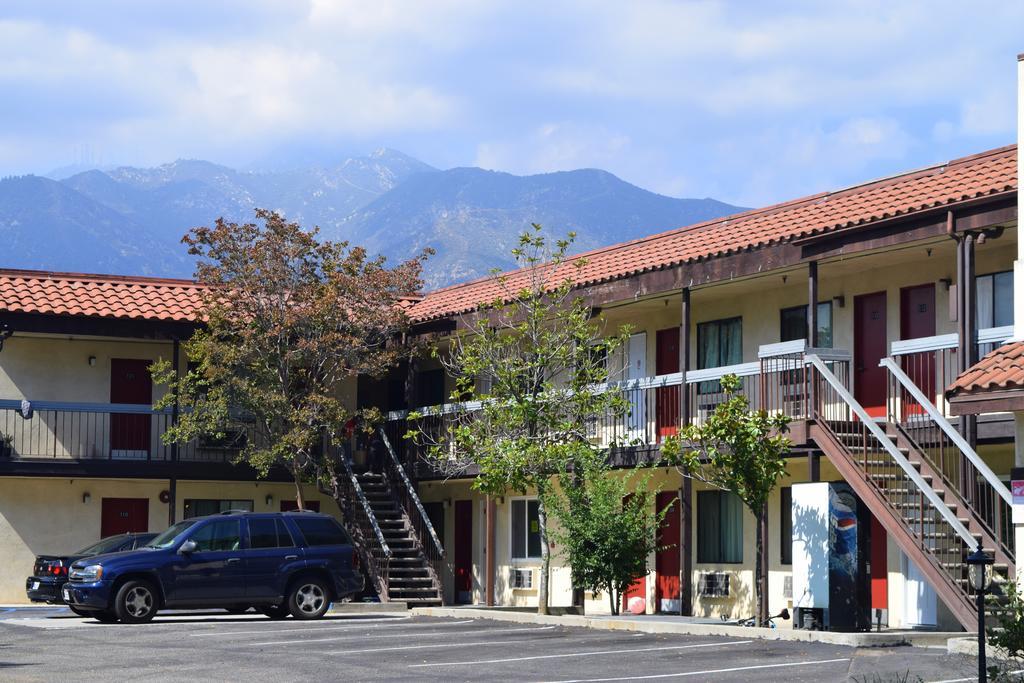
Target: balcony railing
x=104 y=431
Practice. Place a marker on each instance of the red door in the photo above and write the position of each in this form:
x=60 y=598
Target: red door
x=869 y=347
x=667 y=398
x=917 y=319
x=666 y=561
x=463 y=551
x=130 y=382
x=124 y=515
x=637 y=589
x=879 y=566
x=289 y=505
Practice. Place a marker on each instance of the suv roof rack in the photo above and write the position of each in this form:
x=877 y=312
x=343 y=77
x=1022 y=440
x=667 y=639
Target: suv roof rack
x=234 y=512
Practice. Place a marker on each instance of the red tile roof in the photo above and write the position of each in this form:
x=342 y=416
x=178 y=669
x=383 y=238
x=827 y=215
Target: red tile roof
x=100 y=296
x=1000 y=370
x=984 y=174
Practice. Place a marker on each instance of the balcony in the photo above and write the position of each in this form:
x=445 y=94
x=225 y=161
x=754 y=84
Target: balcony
x=48 y=437
x=777 y=382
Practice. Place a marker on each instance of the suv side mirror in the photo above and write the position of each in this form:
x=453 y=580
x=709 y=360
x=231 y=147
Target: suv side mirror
x=187 y=548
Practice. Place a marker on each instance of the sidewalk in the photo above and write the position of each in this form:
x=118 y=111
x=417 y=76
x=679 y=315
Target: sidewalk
x=697 y=627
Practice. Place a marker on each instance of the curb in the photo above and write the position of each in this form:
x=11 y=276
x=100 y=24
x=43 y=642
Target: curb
x=640 y=625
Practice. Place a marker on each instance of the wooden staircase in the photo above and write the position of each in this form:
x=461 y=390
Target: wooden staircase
x=931 y=521
x=411 y=577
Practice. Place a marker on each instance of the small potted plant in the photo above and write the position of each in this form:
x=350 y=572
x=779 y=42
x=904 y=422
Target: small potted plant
x=6 y=445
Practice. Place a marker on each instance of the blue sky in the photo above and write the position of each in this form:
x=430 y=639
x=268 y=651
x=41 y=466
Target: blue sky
x=748 y=102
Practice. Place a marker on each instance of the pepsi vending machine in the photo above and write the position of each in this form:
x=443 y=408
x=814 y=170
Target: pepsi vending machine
x=831 y=585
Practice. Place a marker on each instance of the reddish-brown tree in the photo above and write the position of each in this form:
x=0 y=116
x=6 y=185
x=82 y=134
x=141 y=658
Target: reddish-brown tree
x=288 y=318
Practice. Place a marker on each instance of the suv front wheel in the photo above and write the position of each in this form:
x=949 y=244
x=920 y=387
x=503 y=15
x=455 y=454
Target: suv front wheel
x=308 y=599
x=135 y=602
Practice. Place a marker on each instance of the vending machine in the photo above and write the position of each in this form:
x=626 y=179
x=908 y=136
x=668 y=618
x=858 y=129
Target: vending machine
x=831 y=586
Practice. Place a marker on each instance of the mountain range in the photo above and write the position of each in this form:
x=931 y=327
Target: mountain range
x=130 y=220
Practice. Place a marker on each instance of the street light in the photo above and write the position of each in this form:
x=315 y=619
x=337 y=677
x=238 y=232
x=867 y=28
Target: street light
x=978 y=563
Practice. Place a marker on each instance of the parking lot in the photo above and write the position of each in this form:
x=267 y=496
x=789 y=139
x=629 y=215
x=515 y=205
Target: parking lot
x=51 y=644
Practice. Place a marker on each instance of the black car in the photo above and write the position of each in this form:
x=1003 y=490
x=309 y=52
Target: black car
x=50 y=572
x=281 y=563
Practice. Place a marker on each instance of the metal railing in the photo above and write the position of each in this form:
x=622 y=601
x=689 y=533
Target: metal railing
x=373 y=547
x=64 y=431
x=963 y=472
x=427 y=540
x=934 y=527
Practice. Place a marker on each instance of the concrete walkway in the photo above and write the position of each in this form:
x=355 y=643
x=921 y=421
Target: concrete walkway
x=697 y=627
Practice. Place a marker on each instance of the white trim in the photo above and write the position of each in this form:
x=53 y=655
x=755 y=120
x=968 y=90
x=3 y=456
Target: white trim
x=988 y=335
x=786 y=348
x=708 y=374
x=995 y=334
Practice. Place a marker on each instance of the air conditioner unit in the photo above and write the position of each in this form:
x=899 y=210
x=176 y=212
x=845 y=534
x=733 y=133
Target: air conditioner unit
x=713 y=585
x=787 y=587
x=521 y=578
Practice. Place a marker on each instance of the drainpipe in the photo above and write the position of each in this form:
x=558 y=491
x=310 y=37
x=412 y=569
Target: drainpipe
x=492 y=510
x=686 y=491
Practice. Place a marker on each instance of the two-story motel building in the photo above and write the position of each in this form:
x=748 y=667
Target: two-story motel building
x=841 y=309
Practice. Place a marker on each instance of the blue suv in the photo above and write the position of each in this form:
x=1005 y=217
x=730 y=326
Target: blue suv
x=280 y=563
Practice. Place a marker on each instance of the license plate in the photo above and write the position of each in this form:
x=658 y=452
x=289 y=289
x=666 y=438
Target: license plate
x=67 y=595
x=35 y=585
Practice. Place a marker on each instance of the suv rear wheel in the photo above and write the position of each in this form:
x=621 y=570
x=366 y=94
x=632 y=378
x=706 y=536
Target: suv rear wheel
x=308 y=599
x=135 y=602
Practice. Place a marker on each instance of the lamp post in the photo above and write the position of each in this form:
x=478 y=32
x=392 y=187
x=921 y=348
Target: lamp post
x=978 y=563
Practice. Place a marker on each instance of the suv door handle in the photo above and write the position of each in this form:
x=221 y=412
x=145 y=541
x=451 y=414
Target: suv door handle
x=232 y=560
x=291 y=557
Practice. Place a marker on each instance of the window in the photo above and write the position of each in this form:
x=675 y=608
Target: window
x=719 y=342
x=321 y=531
x=786 y=524
x=793 y=324
x=719 y=528
x=200 y=507
x=430 y=388
x=269 y=532
x=525 y=529
x=217 y=536
x=994 y=299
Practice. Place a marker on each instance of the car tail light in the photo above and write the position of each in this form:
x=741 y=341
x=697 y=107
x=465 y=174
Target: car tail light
x=57 y=568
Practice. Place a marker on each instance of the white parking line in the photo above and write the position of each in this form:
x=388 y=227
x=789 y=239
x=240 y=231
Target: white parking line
x=318 y=626
x=582 y=654
x=684 y=674
x=303 y=641
x=438 y=646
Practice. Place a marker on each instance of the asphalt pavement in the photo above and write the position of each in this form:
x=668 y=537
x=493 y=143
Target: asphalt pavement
x=54 y=645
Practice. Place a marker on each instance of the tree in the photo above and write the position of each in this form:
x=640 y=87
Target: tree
x=739 y=450
x=541 y=356
x=605 y=526
x=286 y=319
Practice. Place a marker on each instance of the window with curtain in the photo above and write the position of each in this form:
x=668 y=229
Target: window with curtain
x=994 y=299
x=525 y=529
x=793 y=324
x=719 y=528
x=719 y=343
x=786 y=524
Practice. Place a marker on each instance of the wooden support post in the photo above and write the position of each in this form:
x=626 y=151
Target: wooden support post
x=813 y=467
x=172 y=484
x=686 y=491
x=812 y=304
x=492 y=510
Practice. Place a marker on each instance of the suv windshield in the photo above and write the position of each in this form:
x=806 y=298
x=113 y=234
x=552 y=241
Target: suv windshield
x=103 y=546
x=165 y=539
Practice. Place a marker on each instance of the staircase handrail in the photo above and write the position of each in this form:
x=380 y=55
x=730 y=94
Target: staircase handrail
x=896 y=371
x=412 y=494
x=893 y=451
x=365 y=505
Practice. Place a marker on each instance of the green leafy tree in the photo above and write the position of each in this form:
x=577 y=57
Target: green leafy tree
x=739 y=450
x=533 y=361
x=605 y=526
x=1007 y=634
x=287 y=318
